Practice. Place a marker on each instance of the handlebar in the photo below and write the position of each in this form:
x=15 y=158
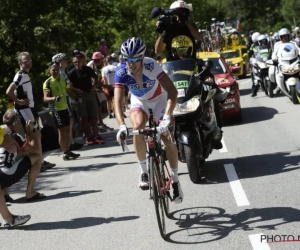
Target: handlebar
x=147 y=131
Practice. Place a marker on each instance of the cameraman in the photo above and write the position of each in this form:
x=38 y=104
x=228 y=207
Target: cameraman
x=173 y=24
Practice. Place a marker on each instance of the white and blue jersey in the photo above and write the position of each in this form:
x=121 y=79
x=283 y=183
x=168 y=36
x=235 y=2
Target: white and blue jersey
x=152 y=73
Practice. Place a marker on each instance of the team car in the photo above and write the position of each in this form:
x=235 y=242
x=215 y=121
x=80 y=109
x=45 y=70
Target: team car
x=225 y=79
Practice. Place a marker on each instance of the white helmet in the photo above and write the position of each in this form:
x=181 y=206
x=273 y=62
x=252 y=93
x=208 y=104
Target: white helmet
x=255 y=36
x=59 y=57
x=287 y=51
x=260 y=38
x=179 y=4
x=283 y=32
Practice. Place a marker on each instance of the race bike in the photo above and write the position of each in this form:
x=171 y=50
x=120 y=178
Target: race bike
x=196 y=129
x=288 y=69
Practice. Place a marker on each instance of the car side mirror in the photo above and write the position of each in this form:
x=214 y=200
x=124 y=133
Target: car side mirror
x=245 y=55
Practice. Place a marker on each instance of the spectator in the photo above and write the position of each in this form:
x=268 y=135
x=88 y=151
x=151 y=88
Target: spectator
x=115 y=59
x=20 y=92
x=61 y=58
x=97 y=61
x=84 y=78
x=103 y=48
x=11 y=172
x=55 y=92
x=108 y=74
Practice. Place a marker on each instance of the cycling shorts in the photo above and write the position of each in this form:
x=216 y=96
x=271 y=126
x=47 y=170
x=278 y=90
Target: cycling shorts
x=10 y=176
x=29 y=114
x=158 y=106
x=61 y=118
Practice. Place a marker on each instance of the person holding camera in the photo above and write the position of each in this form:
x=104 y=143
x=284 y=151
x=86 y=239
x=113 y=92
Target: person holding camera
x=172 y=24
x=55 y=91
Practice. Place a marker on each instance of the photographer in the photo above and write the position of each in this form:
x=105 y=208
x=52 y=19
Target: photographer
x=174 y=23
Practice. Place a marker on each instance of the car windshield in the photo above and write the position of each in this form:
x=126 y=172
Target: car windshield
x=187 y=65
x=218 y=68
x=231 y=54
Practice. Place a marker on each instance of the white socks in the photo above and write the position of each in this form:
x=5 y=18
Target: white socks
x=175 y=176
x=143 y=166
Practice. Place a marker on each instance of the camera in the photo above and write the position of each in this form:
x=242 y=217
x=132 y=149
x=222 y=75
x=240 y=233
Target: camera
x=169 y=17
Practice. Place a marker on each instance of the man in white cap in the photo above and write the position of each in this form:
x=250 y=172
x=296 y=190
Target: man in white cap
x=297 y=36
x=114 y=56
x=103 y=48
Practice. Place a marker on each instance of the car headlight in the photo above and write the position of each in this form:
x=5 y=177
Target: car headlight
x=230 y=90
x=189 y=106
x=237 y=64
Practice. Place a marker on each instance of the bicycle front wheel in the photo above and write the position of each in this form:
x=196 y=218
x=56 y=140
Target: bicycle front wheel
x=155 y=182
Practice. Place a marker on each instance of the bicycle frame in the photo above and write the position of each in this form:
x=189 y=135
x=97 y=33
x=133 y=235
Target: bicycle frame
x=155 y=151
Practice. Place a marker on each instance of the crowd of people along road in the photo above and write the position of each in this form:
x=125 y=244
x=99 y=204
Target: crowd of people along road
x=75 y=99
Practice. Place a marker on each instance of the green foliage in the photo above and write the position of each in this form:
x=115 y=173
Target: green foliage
x=47 y=27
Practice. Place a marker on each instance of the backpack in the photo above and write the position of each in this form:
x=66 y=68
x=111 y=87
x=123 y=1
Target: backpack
x=49 y=138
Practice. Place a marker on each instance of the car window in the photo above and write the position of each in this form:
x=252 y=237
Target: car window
x=219 y=67
x=231 y=54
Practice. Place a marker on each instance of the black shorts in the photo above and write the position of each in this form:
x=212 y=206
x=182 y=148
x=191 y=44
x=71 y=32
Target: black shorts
x=29 y=114
x=10 y=176
x=111 y=93
x=61 y=118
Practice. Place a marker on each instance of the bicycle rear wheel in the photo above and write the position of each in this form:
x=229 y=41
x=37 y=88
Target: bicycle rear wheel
x=155 y=182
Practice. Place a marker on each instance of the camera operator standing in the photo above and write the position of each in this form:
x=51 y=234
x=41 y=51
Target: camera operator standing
x=173 y=25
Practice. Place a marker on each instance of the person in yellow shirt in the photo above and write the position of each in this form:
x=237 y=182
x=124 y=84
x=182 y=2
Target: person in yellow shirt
x=55 y=92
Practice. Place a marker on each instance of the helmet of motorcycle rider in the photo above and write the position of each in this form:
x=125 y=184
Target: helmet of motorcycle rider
x=133 y=47
x=182 y=47
x=181 y=9
x=262 y=40
x=284 y=32
x=255 y=36
x=287 y=51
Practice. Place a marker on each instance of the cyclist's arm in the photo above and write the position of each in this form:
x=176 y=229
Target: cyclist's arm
x=10 y=92
x=169 y=87
x=119 y=94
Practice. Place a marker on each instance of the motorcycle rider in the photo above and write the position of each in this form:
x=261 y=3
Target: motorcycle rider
x=184 y=49
x=263 y=51
x=177 y=25
x=285 y=37
x=297 y=36
x=251 y=53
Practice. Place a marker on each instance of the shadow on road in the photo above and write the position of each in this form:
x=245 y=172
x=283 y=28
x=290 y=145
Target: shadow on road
x=245 y=92
x=62 y=195
x=206 y=224
x=252 y=115
x=251 y=166
x=76 y=223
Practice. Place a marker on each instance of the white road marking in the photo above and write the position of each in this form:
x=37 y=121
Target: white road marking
x=71 y=177
x=245 y=81
x=236 y=186
x=257 y=243
x=224 y=149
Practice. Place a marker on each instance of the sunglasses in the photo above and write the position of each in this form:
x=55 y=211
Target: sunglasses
x=133 y=59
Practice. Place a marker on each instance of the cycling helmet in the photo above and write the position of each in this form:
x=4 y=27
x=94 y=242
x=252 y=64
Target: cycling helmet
x=255 y=36
x=262 y=40
x=133 y=47
x=59 y=57
x=182 y=45
x=179 y=5
x=283 y=32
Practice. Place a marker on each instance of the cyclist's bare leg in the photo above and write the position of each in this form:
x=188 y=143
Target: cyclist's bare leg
x=139 y=120
x=171 y=152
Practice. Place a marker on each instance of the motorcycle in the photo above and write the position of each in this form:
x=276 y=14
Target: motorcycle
x=261 y=72
x=287 y=72
x=196 y=129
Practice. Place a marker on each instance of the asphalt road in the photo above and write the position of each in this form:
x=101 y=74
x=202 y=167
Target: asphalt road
x=250 y=189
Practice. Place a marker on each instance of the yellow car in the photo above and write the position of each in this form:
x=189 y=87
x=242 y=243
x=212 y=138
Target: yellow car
x=237 y=59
